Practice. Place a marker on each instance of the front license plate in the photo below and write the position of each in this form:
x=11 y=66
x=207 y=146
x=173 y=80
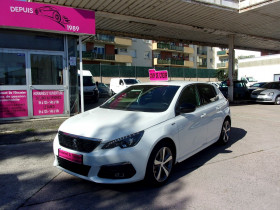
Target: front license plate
x=70 y=156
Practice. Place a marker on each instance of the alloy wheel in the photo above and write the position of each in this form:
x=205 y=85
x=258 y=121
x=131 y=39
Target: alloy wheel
x=162 y=164
x=226 y=131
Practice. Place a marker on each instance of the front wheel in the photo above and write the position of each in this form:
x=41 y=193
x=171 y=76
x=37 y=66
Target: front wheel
x=160 y=164
x=277 y=100
x=225 y=132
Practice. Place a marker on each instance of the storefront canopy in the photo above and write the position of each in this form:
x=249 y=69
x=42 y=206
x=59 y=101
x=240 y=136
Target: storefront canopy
x=254 y=23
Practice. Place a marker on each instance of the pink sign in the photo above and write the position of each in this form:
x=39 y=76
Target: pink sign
x=48 y=102
x=70 y=156
x=158 y=75
x=13 y=103
x=46 y=17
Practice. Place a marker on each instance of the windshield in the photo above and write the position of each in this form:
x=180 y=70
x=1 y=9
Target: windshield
x=145 y=98
x=88 y=81
x=130 y=81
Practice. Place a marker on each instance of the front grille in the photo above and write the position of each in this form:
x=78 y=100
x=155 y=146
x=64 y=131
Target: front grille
x=74 y=167
x=77 y=143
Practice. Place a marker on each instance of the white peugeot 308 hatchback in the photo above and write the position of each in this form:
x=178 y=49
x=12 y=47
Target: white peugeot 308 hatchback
x=142 y=132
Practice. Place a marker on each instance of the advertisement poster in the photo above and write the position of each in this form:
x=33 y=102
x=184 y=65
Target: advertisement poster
x=48 y=102
x=13 y=103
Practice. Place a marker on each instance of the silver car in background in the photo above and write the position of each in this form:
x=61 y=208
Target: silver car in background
x=269 y=93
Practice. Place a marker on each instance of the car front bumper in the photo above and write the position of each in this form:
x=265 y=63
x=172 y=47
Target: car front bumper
x=262 y=98
x=111 y=166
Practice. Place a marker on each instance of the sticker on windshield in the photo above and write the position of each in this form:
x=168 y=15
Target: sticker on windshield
x=158 y=75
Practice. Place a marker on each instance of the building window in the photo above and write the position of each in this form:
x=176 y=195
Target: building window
x=133 y=53
x=147 y=55
x=123 y=50
x=12 y=69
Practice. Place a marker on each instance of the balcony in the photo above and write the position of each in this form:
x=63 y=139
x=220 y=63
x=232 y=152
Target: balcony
x=222 y=53
x=173 y=62
x=104 y=38
x=172 y=48
x=123 y=41
x=108 y=39
x=107 y=58
x=222 y=65
x=123 y=58
x=202 y=65
x=202 y=53
x=95 y=56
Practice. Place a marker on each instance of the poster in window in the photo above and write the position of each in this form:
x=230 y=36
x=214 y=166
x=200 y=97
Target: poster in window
x=13 y=103
x=48 y=102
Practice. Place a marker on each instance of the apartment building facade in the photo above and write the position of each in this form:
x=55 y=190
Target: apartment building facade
x=111 y=50
x=107 y=49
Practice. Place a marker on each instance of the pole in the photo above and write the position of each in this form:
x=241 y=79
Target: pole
x=100 y=69
x=81 y=76
x=231 y=67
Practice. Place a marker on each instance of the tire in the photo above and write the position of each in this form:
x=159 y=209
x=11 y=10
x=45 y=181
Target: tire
x=160 y=164
x=225 y=133
x=277 y=100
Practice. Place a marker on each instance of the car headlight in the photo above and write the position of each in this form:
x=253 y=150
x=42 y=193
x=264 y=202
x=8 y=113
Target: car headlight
x=271 y=94
x=124 y=142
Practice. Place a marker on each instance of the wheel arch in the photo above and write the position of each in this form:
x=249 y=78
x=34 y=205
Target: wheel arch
x=171 y=143
x=228 y=118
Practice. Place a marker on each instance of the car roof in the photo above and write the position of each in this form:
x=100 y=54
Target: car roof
x=176 y=83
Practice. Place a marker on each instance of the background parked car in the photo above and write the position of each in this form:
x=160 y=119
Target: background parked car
x=104 y=90
x=269 y=93
x=240 y=90
x=248 y=81
x=90 y=88
x=256 y=86
x=119 y=84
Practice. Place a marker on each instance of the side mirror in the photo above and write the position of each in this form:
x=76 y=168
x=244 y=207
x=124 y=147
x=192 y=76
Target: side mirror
x=96 y=83
x=186 y=108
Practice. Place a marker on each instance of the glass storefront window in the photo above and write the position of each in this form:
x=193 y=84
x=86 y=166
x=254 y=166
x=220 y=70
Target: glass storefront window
x=47 y=69
x=14 y=39
x=12 y=69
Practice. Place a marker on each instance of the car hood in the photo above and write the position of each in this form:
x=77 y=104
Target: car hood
x=108 y=124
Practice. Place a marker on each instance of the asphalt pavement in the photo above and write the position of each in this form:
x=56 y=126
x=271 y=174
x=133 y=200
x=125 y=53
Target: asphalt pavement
x=241 y=175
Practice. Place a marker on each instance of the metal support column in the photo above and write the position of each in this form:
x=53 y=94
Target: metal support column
x=81 y=76
x=231 y=67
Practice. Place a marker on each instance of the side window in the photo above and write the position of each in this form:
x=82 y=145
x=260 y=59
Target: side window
x=207 y=93
x=190 y=96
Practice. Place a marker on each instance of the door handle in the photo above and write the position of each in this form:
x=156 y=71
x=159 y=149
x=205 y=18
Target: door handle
x=218 y=107
x=203 y=115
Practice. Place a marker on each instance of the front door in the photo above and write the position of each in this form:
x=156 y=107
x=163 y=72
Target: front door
x=47 y=84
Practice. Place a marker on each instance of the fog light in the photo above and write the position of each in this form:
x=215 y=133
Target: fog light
x=117 y=171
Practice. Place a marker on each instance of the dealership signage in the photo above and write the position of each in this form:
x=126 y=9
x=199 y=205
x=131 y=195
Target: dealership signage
x=44 y=17
x=13 y=103
x=48 y=102
x=158 y=75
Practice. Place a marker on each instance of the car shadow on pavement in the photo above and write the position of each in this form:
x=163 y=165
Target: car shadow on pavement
x=193 y=162
x=206 y=155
